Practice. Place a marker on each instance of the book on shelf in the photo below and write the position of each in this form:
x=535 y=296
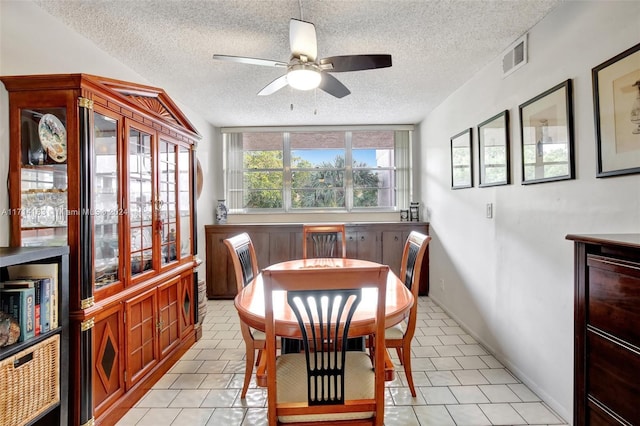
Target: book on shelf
x=27 y=284
x=35 y=271
x=42 y=288
x=20 y=304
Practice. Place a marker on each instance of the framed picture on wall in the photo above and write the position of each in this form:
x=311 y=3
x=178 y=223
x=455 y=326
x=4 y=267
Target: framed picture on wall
x=461 y=160
x=616 y=99
x=546 y=130
x=493 y=151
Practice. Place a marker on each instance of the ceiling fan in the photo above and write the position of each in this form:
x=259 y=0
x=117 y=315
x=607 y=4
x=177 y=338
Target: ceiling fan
x=304 y=70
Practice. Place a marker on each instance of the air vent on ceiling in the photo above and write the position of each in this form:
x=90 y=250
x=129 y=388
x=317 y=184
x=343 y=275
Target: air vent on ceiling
x=515 y=56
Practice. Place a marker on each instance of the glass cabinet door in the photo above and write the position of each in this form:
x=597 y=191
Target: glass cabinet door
x=184 y=200
x=106 y=190
x=167 y=206
x=140 y=201
x=43 y=174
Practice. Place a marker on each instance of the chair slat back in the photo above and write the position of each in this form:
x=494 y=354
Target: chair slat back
x=324 y=318
x=243 y=256
x=410 y=265
x=324 y=327
x=326 y=241
x=413 y=253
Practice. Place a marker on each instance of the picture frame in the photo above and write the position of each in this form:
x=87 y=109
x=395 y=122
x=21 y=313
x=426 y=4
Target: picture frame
x=493 y=151
x=462 y=160
x=616 y=100
x=546 y=134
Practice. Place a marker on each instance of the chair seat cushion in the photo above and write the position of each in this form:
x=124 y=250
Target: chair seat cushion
x=396 y=332
x=292 y=380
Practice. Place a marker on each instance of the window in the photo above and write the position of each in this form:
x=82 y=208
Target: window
x=328 y=170
x=318 y=169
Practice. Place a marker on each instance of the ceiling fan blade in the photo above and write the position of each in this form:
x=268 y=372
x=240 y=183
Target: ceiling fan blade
x=250 y=61
x=332 y=86
x=274 y=86
x=302 y=38
x=355 y=62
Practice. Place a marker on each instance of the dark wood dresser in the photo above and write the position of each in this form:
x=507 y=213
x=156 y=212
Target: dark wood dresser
x=607 y=329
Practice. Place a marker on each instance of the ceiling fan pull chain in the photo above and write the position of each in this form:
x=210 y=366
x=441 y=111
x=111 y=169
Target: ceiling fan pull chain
x=315 y=101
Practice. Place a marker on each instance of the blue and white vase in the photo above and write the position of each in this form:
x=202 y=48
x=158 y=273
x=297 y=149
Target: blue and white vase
x=221 y=212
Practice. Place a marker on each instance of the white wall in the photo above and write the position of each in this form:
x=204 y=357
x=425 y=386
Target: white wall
x=509 y=280
x=33 y=42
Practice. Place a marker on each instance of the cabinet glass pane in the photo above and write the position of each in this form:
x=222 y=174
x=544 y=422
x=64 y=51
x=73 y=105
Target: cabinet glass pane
x=140 y=201
x=43 y=199
x=106 y=192
x=184 y=201
x=168 y=196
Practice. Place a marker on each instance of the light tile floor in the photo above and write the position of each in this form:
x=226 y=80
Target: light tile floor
x=458 y=381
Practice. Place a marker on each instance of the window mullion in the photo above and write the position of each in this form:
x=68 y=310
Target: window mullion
x=348 y=172
x=286 y=173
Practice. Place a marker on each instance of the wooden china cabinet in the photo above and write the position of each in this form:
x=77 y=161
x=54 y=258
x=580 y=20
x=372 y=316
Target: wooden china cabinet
x=107 y=167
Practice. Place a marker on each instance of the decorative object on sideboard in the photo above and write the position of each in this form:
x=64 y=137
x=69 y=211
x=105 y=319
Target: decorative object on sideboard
x=404 y=215
x=414 y=211
x=221 y=212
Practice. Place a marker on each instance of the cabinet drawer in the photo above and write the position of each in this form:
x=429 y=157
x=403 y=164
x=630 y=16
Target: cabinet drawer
x=596 y=416
x=613 y=373
x=614 y=298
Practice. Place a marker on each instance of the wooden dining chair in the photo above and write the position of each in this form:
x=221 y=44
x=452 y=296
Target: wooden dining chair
x=400 y=335
x=325 y=383
x=327 y=240
x=245 y=266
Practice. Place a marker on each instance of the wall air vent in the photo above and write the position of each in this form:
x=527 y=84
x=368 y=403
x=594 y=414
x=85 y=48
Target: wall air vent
x=515 y=56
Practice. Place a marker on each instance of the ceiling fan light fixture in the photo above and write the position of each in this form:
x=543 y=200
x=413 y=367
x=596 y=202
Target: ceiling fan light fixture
x=303 y=77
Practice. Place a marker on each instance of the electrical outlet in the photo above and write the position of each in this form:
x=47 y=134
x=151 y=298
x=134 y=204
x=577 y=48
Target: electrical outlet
x=442 y=284
x=489 y=210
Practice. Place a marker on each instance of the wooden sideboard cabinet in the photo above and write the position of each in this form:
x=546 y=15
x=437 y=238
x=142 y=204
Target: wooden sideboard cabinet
x=376 y=241
x=107 y=167
x=607 y=335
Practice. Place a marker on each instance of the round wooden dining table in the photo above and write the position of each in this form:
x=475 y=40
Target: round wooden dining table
x=250 y=301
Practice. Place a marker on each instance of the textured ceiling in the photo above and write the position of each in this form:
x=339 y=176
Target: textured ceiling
x=436 y=46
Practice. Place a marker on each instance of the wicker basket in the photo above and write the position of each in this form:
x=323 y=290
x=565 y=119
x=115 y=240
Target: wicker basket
x=29 y=382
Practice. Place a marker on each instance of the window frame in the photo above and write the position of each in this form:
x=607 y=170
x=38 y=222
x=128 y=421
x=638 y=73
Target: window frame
x=286 y=189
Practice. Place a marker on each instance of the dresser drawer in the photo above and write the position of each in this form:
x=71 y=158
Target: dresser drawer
x=614 y=376
x=614 y=297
